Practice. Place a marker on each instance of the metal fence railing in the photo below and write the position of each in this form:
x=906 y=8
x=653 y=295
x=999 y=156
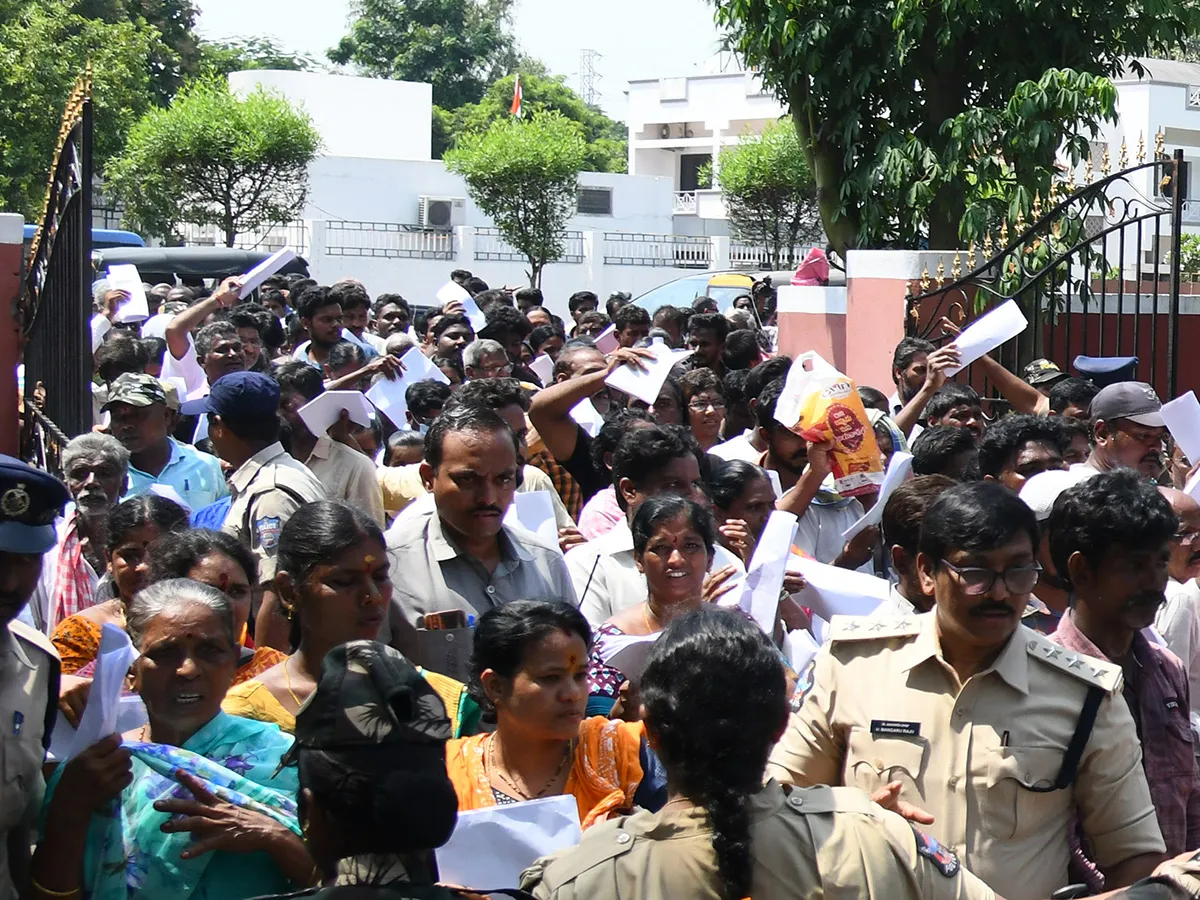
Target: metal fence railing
x=387 y=240
x=291 y=234
x=623 y=248
x=490 y=246
x=746 y=255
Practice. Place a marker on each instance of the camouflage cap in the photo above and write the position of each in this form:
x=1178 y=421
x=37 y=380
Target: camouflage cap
x=369 y=694
x=136 y=389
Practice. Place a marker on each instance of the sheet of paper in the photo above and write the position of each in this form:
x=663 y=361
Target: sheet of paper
x=588 y=417
x=606 y=341
x=265 y=269
x=1192 y=488
x=201 y=432
x=451 y=291
x=988 y=332
x=168 y=492
x=800 y=648
x=419 y=367
x=764 y=576
x=832 y=591
x=1182 y=417
x=819 y=628
x=534 y=511
x=387 y=395
x=646 y=383
x=125 y=277
x=100 y=716
x=543 y=368
x=491 y=847
x=319 y=414
x=898 y=470
x=628 y=653
x=131 y=715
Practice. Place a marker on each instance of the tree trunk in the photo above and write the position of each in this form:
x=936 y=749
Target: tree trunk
x=825 y=163
x=535 y=273
x=945 y=215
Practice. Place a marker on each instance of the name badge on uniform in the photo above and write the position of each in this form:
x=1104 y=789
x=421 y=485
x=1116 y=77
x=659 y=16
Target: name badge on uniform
x=18 y=722
x=890 y=727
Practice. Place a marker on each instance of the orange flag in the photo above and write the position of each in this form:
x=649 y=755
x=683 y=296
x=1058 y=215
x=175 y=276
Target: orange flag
x=516 y=104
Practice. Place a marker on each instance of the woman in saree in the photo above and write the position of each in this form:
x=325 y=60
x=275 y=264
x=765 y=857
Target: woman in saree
x=334 y=580
x=193 y=805
x=529 y=673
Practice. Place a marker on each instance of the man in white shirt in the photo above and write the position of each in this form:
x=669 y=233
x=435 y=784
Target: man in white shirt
x=647 y=462
x=217 y=350
x=901 y=525
x=1178 y=621
x=909 y=370
x=749 y=445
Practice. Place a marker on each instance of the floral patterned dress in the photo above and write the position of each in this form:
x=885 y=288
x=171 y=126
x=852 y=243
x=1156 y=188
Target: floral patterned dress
x=128 y=856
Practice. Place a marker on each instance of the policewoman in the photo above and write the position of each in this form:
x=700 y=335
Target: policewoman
x=999 y=734
x=30 y=500
x=267 y=484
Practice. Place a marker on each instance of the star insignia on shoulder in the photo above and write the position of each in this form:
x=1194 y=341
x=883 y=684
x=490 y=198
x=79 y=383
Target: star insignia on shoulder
x=1074 y=662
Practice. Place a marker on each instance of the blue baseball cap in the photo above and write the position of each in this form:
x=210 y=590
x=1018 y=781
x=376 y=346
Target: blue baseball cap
x=30 y=501
x=238 y=396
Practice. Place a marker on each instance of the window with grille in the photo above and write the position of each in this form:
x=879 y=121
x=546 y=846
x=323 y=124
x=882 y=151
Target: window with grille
x=1193 y=97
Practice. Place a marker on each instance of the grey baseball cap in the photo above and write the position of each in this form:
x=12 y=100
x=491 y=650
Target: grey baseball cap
x=1132 y=400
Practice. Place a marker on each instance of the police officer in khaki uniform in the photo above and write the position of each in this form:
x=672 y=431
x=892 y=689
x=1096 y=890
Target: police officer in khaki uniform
x=268 y=485
x=998 y=733
x=29 y=502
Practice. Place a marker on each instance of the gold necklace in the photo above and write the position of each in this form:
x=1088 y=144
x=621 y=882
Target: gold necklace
x=646 y=617
x=287 y=677
x=524 y=795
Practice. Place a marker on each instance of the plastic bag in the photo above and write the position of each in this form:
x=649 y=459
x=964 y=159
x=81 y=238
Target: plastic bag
x=819 y=403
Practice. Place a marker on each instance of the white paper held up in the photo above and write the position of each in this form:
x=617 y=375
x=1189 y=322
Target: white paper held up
x=800 y=648
x=543 y=368
x=125 y=277
x=534 y=511
x=987 y=333
x=388 y=396
x=764 y=575
x=491 y=847
x=898 y=470
x=419 y=367
x=606 y=341
x=1182 y=417
x=832 y=591
x=323 y=411
x=168 y=492
x=451 y=291
x=646 y=383
x=99 y=719
x=264 y=270
x=587 y=417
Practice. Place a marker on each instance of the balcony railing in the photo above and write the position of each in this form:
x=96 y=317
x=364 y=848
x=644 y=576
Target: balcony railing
x=293 y=234
x=685 y=203
x=744 y=255
x=387 y=240
x=491 y=247
x=623 y=248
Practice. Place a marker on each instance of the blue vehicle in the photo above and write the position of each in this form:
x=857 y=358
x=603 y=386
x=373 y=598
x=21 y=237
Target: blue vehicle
x=102 y=238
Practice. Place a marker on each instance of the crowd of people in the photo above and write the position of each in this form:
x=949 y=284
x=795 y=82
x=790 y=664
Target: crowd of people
x=346 y=639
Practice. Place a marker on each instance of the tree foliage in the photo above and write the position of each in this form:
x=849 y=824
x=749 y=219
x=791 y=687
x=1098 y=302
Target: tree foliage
x=607 y=140
x=524 y=174
x=457 y=45
x=45 y=46
x=769 y=191
x=242 y=53
x=213 y=158
x=909 y=111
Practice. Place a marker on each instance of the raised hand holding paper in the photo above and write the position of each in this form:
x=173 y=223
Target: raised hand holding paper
x=646 y=383
x=451 y=291
x=606 y=341
x=587 y=417
x=987 y=333
x=319 y=414
x=897 y=473
x=125 y=277
x=388 y=396
x=764 y=575
x=115 y=656
x=1182 y=418
x=264 y=270
x=419 y=367
x=543 y=368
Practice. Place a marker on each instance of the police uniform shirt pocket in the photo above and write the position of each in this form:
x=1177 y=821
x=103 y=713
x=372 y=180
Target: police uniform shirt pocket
x=872 y=761
x=1019 y=797
x=19 y=763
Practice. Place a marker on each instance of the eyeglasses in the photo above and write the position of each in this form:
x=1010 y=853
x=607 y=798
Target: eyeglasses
x=505 y=369
x=1018 y=580
x=703 y=405
x=1187 y=537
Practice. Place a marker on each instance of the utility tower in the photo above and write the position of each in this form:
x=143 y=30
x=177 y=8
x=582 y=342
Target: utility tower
x=588 y=77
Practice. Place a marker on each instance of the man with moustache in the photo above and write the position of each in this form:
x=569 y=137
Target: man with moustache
x=1111 y=536
x=1128 y=429
x=1179 y=619
x=1000 y=736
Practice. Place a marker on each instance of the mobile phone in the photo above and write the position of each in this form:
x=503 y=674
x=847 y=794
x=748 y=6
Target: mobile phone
x=445 y=620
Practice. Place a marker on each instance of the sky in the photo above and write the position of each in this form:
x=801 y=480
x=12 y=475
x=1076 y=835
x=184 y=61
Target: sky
x=635 y=38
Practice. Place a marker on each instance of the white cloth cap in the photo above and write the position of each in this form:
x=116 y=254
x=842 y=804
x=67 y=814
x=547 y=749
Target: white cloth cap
x=1040 y=491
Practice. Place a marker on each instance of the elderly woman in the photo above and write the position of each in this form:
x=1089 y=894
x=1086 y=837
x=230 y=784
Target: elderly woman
x=374 y=797
x=132 y=528
x=333 y=578
x=96 y=467
x=529 y=674
x=202 y=807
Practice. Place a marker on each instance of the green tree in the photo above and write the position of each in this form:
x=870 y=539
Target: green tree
x=908 y=109
x=458 y=46
x=45 y=46
x=769 y=191
x=607 y=140
x=242 y=53
x=212 y=158
x=524 y=174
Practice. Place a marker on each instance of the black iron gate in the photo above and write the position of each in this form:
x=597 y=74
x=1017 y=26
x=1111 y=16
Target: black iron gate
x=1096 y=274
x=57 y=302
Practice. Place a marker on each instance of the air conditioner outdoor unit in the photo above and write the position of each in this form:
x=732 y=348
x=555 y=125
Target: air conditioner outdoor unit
x=442 y=212
x=664 y=132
